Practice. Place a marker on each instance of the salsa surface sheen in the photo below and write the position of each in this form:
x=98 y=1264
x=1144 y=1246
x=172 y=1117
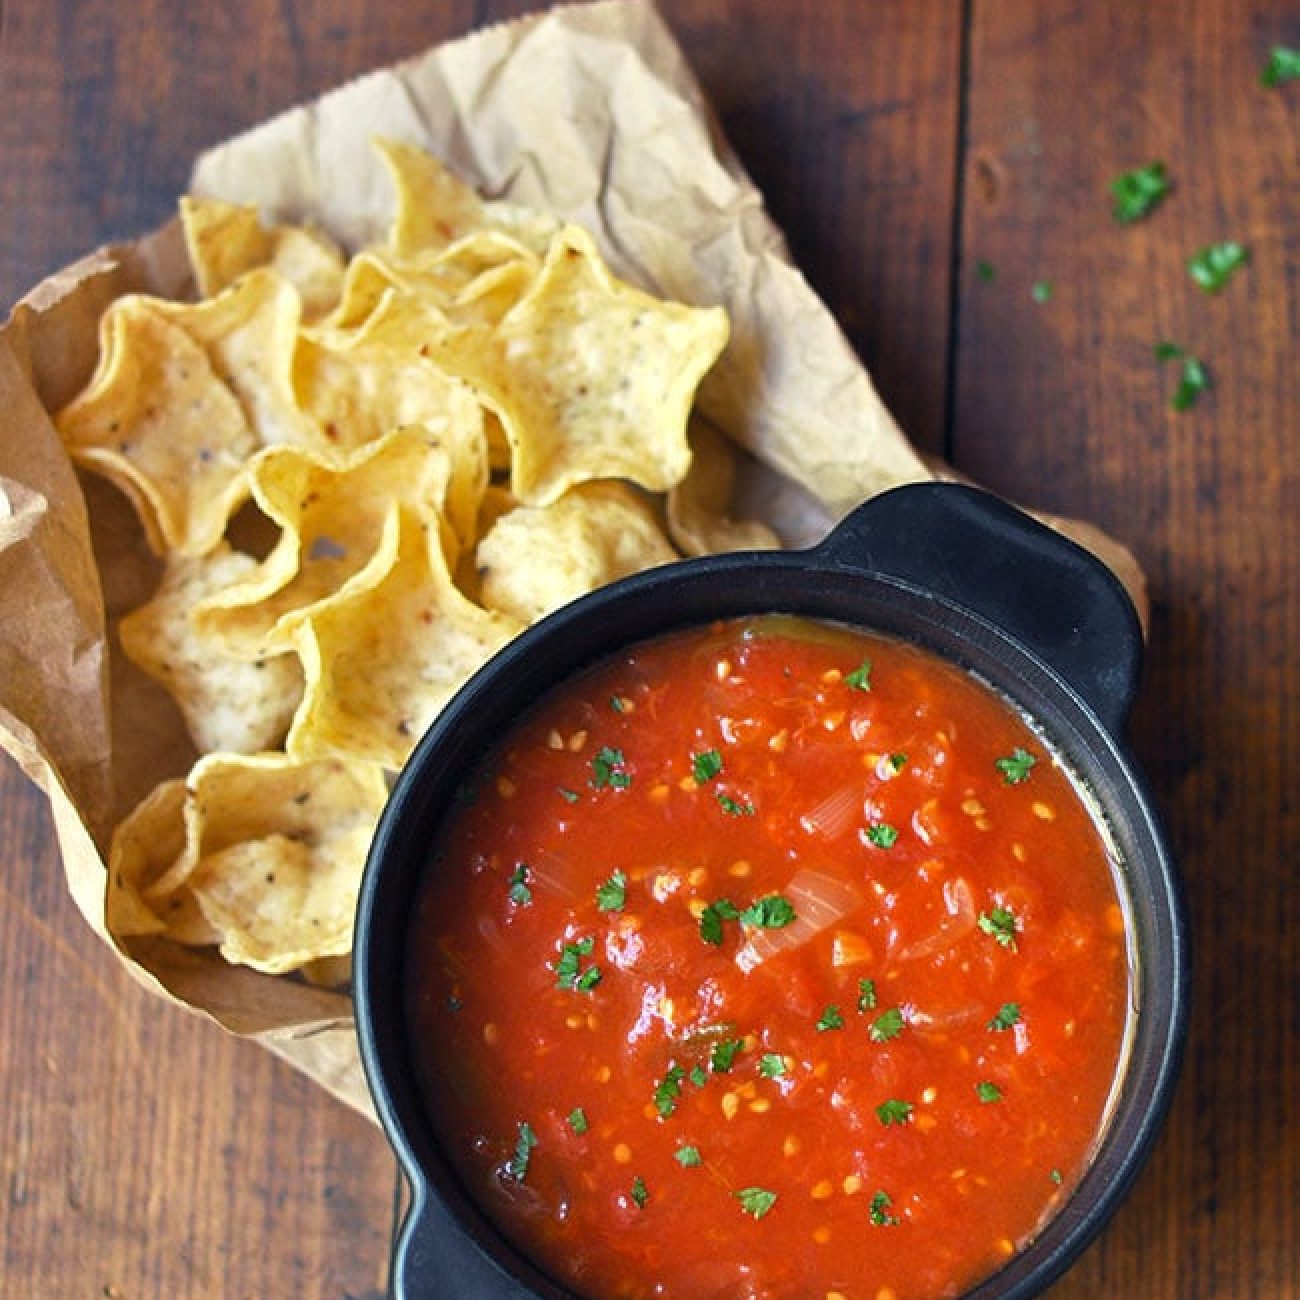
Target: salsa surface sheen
x=769 y=959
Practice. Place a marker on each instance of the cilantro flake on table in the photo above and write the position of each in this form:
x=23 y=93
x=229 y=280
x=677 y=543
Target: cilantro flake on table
x=1212 y=266
x=756 y=1201
x=706 y=765
x=1195 y=379
x=1138 y=192
x=1042 y=291
x=611 y=894
x=1283 y=65
x=986 y=271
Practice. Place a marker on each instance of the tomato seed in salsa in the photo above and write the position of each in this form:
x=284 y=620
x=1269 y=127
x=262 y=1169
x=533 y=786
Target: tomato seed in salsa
x=772 y=959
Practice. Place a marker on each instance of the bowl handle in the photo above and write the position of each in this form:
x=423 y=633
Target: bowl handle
x=975 y=550
x=434 y=1257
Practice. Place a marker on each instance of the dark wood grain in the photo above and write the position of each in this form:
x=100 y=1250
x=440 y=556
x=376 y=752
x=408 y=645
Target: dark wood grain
x=1062 y=404
x=147 y=1154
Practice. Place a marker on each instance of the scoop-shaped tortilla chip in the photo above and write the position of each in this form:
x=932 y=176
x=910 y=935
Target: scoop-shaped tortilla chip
x=590 y=377
x=699 y=521
x=224 y=240
x=331 y=513
x=239 y=704
x=250 y=334
x=277 y=849
x=146 y=891
x=537 y=558
x=434 y=207
x=362 y=384
x=382 y=661
x=157 y=421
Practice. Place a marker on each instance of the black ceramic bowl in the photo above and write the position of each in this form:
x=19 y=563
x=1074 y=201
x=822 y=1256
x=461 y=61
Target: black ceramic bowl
x=947 y=567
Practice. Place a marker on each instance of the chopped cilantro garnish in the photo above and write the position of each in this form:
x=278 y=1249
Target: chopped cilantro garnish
x=639 y=1193
x=898 y=761
x=860 y=678
x=1016 y=766
x=1138 y=192
x=999 y=923
x=988 y=1092
x=756 y=1201
x=517 y=1168
x=578 y=1120
x=986 y=271
x=887 y=1025
x=1008 y=1015
x=724 y=1055
x=520 y=894
x=771 y=1065
x=831 y=1018
x=699 y=1076
x=706 y=765
x=866 y=995
x=569 y=796
x=712 y=917
x=569 y=971
x=882 y=835
x=612 y=893
x=688 y=1157
x=1041 y=291
x=616 y=703
x=1055 y=1176
x=1194 y=380
x=894 y=1112
x=734 y=807
x=668 y=1090
x=608 y=768
x=773 y=912
x=1214 y=264
x=880 y=1215
x=1283 y=65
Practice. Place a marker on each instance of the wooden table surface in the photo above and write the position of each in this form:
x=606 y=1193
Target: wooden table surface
x=931 y=162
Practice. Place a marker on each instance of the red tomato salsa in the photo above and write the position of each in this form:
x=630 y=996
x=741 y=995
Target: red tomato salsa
x=770 y=959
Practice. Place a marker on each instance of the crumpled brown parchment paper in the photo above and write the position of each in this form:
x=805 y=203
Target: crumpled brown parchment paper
x=588 y=111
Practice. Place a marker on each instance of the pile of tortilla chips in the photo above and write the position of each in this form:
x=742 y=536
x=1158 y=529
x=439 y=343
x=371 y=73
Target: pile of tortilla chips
x=363 y=476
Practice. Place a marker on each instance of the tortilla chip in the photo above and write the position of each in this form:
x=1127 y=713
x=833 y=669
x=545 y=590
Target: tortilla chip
x=278 y=849
x=331 y=514
x=697 y=507
x=381 y=662
x=590 y=377
x=158 y=422
x=224 y=240
x=537 y=558
x=241 y=705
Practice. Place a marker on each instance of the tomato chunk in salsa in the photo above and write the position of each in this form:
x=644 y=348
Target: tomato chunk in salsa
x=770 y=959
